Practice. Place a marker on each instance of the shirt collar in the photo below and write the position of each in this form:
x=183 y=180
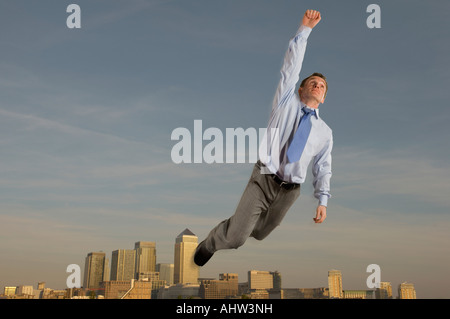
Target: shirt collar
x=302 y=105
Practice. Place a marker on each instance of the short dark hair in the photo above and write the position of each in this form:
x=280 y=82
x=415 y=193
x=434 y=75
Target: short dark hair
x=320 y=75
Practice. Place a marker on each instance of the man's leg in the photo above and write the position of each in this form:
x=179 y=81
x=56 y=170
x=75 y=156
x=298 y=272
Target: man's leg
x=261 y=208
x=272 y=218
x=233 y=232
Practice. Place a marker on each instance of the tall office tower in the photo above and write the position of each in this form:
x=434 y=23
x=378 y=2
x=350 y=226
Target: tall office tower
x=165 y=273
x=406 y=291
x=185 y=270
x=96 y=270
x=123 y=264
x=385 y=291
x=145 y=257
x=335 y=284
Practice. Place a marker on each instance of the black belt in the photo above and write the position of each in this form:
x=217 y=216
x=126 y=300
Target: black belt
x=284 y=184
x=279 y=181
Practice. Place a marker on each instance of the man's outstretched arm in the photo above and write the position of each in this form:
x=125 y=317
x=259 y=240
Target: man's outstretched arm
x=293 y=60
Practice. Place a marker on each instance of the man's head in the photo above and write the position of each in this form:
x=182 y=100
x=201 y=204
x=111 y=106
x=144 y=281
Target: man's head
x=313 y=89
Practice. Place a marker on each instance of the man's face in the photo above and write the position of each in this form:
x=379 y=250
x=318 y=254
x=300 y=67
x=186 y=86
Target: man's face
x=314 y=89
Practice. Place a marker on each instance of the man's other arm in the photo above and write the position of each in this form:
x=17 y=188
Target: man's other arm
x=321 y=170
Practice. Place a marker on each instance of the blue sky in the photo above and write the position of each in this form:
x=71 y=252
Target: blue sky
x=86 y=117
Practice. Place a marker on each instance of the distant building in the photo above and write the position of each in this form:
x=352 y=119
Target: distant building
x=165 y=272
x=185 y=270
x=153 y=278
x=384 y=291
x=226 y=286
x=145 y=257
x=24 y=290
x=262 y=279
x=123 y=263
x=261 y=284
x=358 y=294
x=335 y=284
x=276 y=280
x=406 y=291
x=179 y=291
x=242 y=288
x=54 y=294
x=258 y=294
x=128 y=289
x=9 y=291
x=148 y=276
x=299 y=293
x=96 y=270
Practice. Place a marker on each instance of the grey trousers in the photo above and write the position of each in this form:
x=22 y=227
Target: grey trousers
x=261 y=209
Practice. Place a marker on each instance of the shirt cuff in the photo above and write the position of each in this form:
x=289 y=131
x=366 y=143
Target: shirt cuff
x=323 y=200
x=304 y=30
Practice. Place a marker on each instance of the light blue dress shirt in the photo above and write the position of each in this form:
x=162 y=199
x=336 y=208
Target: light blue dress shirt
x=284 y=120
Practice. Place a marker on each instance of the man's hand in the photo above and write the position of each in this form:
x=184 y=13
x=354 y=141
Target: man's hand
x=311 y=18
x=321 y=214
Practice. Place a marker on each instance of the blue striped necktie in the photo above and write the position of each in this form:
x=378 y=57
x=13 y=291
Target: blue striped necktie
x=298 y=143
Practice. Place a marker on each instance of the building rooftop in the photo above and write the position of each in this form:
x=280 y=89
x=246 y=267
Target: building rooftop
x=186 y=232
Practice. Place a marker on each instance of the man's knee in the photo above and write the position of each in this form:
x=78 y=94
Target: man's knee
x=258 y=235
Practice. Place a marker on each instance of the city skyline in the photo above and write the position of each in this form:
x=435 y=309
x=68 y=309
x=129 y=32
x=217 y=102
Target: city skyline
x=87 y=116
x=102 y=275
x=260 y=285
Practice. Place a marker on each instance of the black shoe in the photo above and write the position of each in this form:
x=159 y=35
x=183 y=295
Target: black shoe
x=202 y=255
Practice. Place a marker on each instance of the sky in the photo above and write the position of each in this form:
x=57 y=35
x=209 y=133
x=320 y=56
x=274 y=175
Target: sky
x=86 y=117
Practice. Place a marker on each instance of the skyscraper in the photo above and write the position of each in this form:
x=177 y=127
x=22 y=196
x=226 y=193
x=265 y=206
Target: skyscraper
x=96 y=270
x=145 y=257
x=335 y=284
x=123 y=264
x=165 y=273
x=185 y=270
